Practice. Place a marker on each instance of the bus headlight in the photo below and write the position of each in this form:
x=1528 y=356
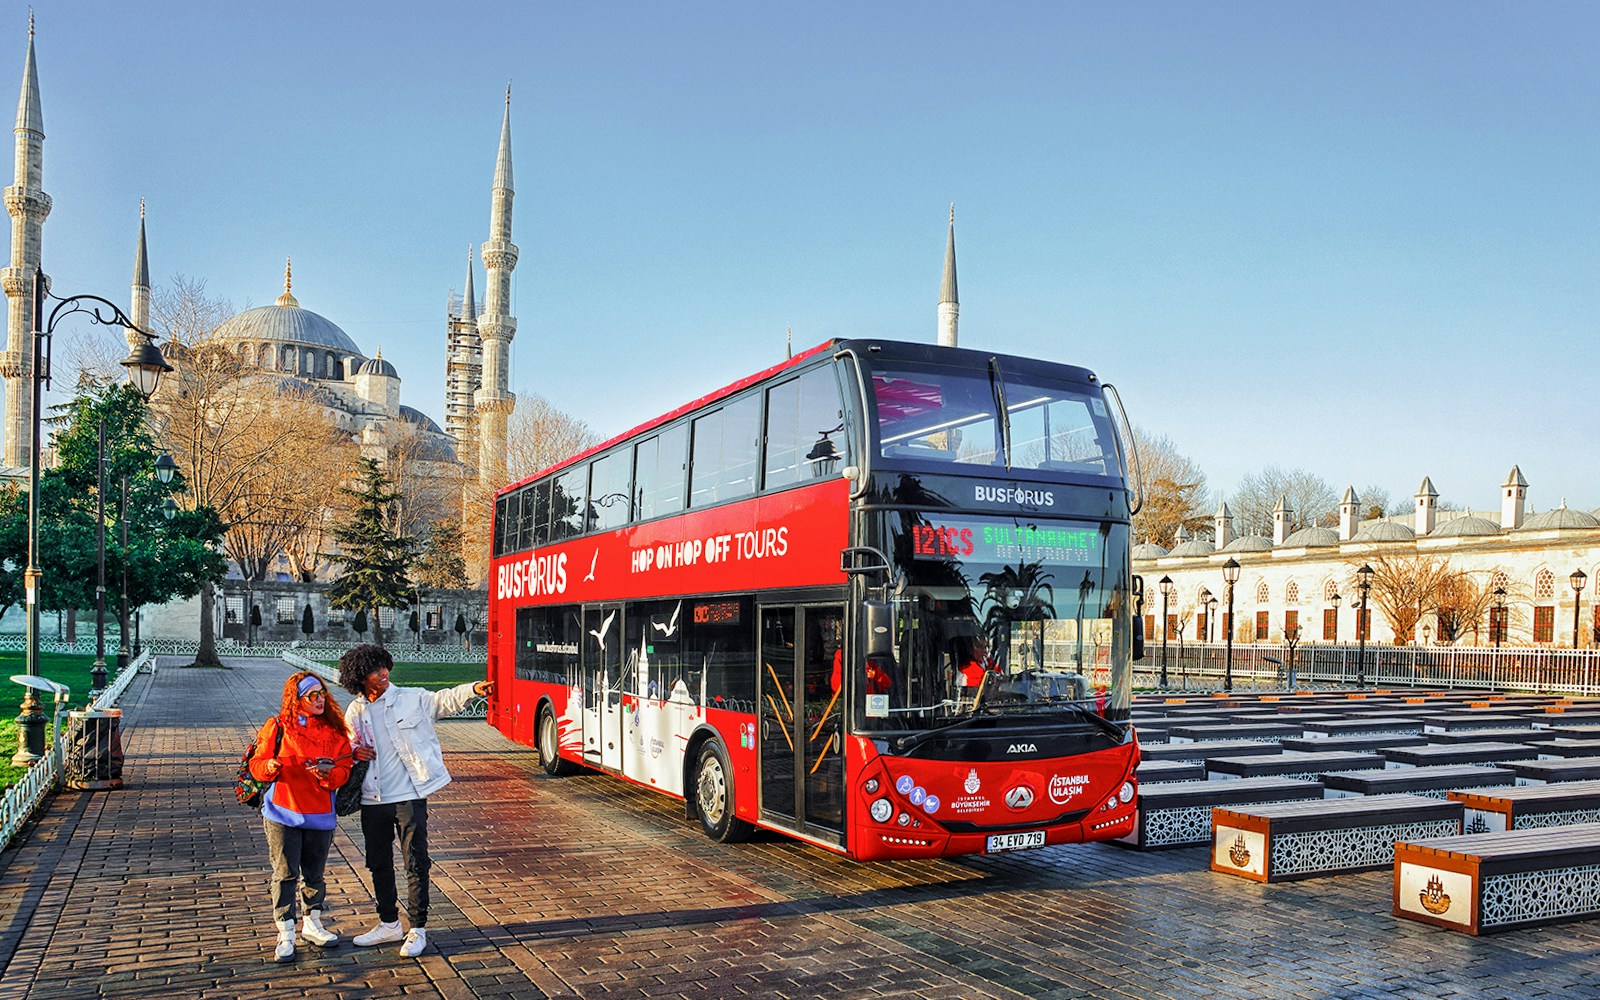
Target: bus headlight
x=882 y=809
x=871 y=787
x=1126 y=794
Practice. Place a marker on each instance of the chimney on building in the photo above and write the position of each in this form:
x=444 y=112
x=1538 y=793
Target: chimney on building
x=1224 y=526
x=1281 y=516
x=1349 y=514
x=1513 y=496
x=1427 y=507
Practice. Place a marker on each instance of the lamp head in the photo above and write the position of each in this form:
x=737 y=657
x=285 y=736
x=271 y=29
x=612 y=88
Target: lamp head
x=145 y=367
x=1364 y=575
x=166 y=468
x=1166 y=585
x=169 y=510
x=1230 y=571
x=1578 y=578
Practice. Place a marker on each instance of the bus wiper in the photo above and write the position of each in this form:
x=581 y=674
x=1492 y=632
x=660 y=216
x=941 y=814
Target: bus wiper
x=997 y=385
x=1084 y=711
x=907 y=743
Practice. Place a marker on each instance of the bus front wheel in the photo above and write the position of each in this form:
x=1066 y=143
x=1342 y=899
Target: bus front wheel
x=713 y=796
x=549 y=742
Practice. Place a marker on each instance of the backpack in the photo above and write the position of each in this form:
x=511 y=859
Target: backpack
x=348 y=798
x=245 y=786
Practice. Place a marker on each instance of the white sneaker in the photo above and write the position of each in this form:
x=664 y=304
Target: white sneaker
x=314 y=933
x=381 y=934
x=416 y=940
x=284 y=951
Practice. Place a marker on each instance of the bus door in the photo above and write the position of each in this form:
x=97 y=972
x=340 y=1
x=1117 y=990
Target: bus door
x=602 y=685
x=802 y=710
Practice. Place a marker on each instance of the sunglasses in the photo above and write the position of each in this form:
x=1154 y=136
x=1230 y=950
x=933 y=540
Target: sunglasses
x=315 y=694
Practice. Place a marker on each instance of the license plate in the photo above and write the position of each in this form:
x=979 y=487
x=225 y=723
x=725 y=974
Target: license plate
x=1013 y=841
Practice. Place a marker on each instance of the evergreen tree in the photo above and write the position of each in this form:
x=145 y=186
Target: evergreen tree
x=376 y=561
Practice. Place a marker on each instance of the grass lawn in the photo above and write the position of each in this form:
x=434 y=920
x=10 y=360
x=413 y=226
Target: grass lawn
x=71 y=669
x=433 y=676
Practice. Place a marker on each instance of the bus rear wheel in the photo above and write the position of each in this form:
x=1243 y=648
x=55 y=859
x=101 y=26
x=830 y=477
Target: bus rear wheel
x=713 y=796
x=549 y=741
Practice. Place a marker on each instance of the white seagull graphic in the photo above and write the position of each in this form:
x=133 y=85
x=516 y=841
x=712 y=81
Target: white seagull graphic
x=593 y=559
x=670 y=627
x=600 y=633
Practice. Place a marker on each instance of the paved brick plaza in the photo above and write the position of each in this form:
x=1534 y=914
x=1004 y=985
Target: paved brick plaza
x=588 y=887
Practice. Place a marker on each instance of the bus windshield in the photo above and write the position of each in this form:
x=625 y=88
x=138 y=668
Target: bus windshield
x=949 y=414
x=1002 y=615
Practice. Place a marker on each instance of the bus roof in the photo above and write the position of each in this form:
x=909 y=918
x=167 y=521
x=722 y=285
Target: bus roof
x=928 y=352
x=671 y=415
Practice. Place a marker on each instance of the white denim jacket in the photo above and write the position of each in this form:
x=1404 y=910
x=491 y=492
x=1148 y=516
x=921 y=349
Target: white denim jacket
x=406 y=716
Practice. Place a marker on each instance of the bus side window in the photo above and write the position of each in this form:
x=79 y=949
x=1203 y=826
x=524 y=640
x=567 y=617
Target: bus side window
x=659 y=473
x=566 y=503
x=536 y=515
x=804 y=425
x=608 y=493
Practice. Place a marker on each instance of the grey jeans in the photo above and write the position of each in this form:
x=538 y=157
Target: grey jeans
x=299 y=857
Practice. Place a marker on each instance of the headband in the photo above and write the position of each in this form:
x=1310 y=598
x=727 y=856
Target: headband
x=308 y=684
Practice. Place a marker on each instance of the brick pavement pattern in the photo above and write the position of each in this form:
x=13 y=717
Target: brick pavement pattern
x=589 y=887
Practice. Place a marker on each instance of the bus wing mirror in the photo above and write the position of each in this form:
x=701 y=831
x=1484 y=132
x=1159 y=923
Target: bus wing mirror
x=1138 y=637
x=875 y=620
x=859 y=559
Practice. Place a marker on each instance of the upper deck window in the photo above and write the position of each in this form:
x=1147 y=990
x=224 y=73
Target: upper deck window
x=944 y=414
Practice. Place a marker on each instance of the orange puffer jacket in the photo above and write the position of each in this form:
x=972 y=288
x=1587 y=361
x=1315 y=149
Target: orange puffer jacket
x=301 y=796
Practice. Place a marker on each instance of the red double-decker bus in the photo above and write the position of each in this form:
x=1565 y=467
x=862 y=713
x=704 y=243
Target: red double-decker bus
x=877 y=597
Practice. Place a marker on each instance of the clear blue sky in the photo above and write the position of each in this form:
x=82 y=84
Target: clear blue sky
x=1359 y=238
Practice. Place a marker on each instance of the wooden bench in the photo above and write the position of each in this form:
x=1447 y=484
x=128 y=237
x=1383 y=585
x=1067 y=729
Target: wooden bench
x=1205 y=748
x=1305 y=766
x=1435 y=782
x=1458 y=753
x=1294 y=840
x=1525 y=807
x=1361 y=727
x=1268 y=731
x=1562 y=749
x=1355 y=744
x=1482 y=883
x=1171 y=770
x=1178 y=813
x=1546 y=772
x=1475 y=720
x=1455 y=736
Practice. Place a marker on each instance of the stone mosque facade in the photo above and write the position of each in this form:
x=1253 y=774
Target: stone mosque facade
x=290 y=342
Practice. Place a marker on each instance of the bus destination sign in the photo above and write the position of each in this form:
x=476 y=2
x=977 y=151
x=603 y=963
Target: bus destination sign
x=1000 y=541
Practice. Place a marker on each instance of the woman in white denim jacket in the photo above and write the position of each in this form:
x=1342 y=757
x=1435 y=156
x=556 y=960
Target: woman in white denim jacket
x=393 y=728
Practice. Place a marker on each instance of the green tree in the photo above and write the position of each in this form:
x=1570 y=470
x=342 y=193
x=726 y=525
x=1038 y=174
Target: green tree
x=376 y=560
x=165 y=559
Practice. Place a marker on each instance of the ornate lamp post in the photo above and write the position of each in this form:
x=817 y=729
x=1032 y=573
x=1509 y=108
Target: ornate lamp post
x=1427 y=635
x=145 y=366
x=1230 y=573
x=1497 y=626
x=1578 y=579
x=1335 y=599
x=1165 y=583
x=1363 y=624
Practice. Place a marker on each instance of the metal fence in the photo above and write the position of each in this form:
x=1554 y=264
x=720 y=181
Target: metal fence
x=403 y=652
x=477 y=708
x=44 y=776
x=1203 y=666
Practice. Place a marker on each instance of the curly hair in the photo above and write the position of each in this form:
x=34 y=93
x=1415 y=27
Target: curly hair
x=360 y=661
x=332 y=716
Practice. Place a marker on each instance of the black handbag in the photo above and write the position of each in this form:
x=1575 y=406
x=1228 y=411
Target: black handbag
x=348 y=799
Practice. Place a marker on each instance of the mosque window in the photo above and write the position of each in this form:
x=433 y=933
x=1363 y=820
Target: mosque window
x=286 y=359
x=1330 y=625
x=1263 y=624
x=386 y=617
x=1544 y=585
x=1291 y=593
x=1263 y=594
x=1544 y=623
x=284 y=611
x=1499 y=581
x=1329 y=589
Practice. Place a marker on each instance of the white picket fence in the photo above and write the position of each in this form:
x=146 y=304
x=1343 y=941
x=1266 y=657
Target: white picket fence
x=44 y=777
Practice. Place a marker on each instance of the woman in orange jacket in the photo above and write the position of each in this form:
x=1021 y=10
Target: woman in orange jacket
x=304 y=751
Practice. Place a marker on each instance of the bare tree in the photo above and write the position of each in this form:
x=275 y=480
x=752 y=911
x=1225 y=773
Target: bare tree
x=1311 y=500
x=1175 y=491
x=1466 y=599
x=1406 y=587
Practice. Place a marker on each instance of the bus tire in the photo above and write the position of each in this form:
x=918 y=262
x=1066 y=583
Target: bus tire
x=713 y=796
x=549 y=740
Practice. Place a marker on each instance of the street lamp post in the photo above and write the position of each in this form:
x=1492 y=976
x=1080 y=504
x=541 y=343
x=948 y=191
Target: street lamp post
x=1230 y=573
x=1427 y=635
x=145 y=366
x=1497 y=627
x=1165 y=583
x=1363 y=624
x=1578 y=579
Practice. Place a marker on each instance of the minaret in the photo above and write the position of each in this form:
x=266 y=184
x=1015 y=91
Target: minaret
x=139 y=302
x=496 y=327
x=28 y=206
x=949 y=302
x=463 y=375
